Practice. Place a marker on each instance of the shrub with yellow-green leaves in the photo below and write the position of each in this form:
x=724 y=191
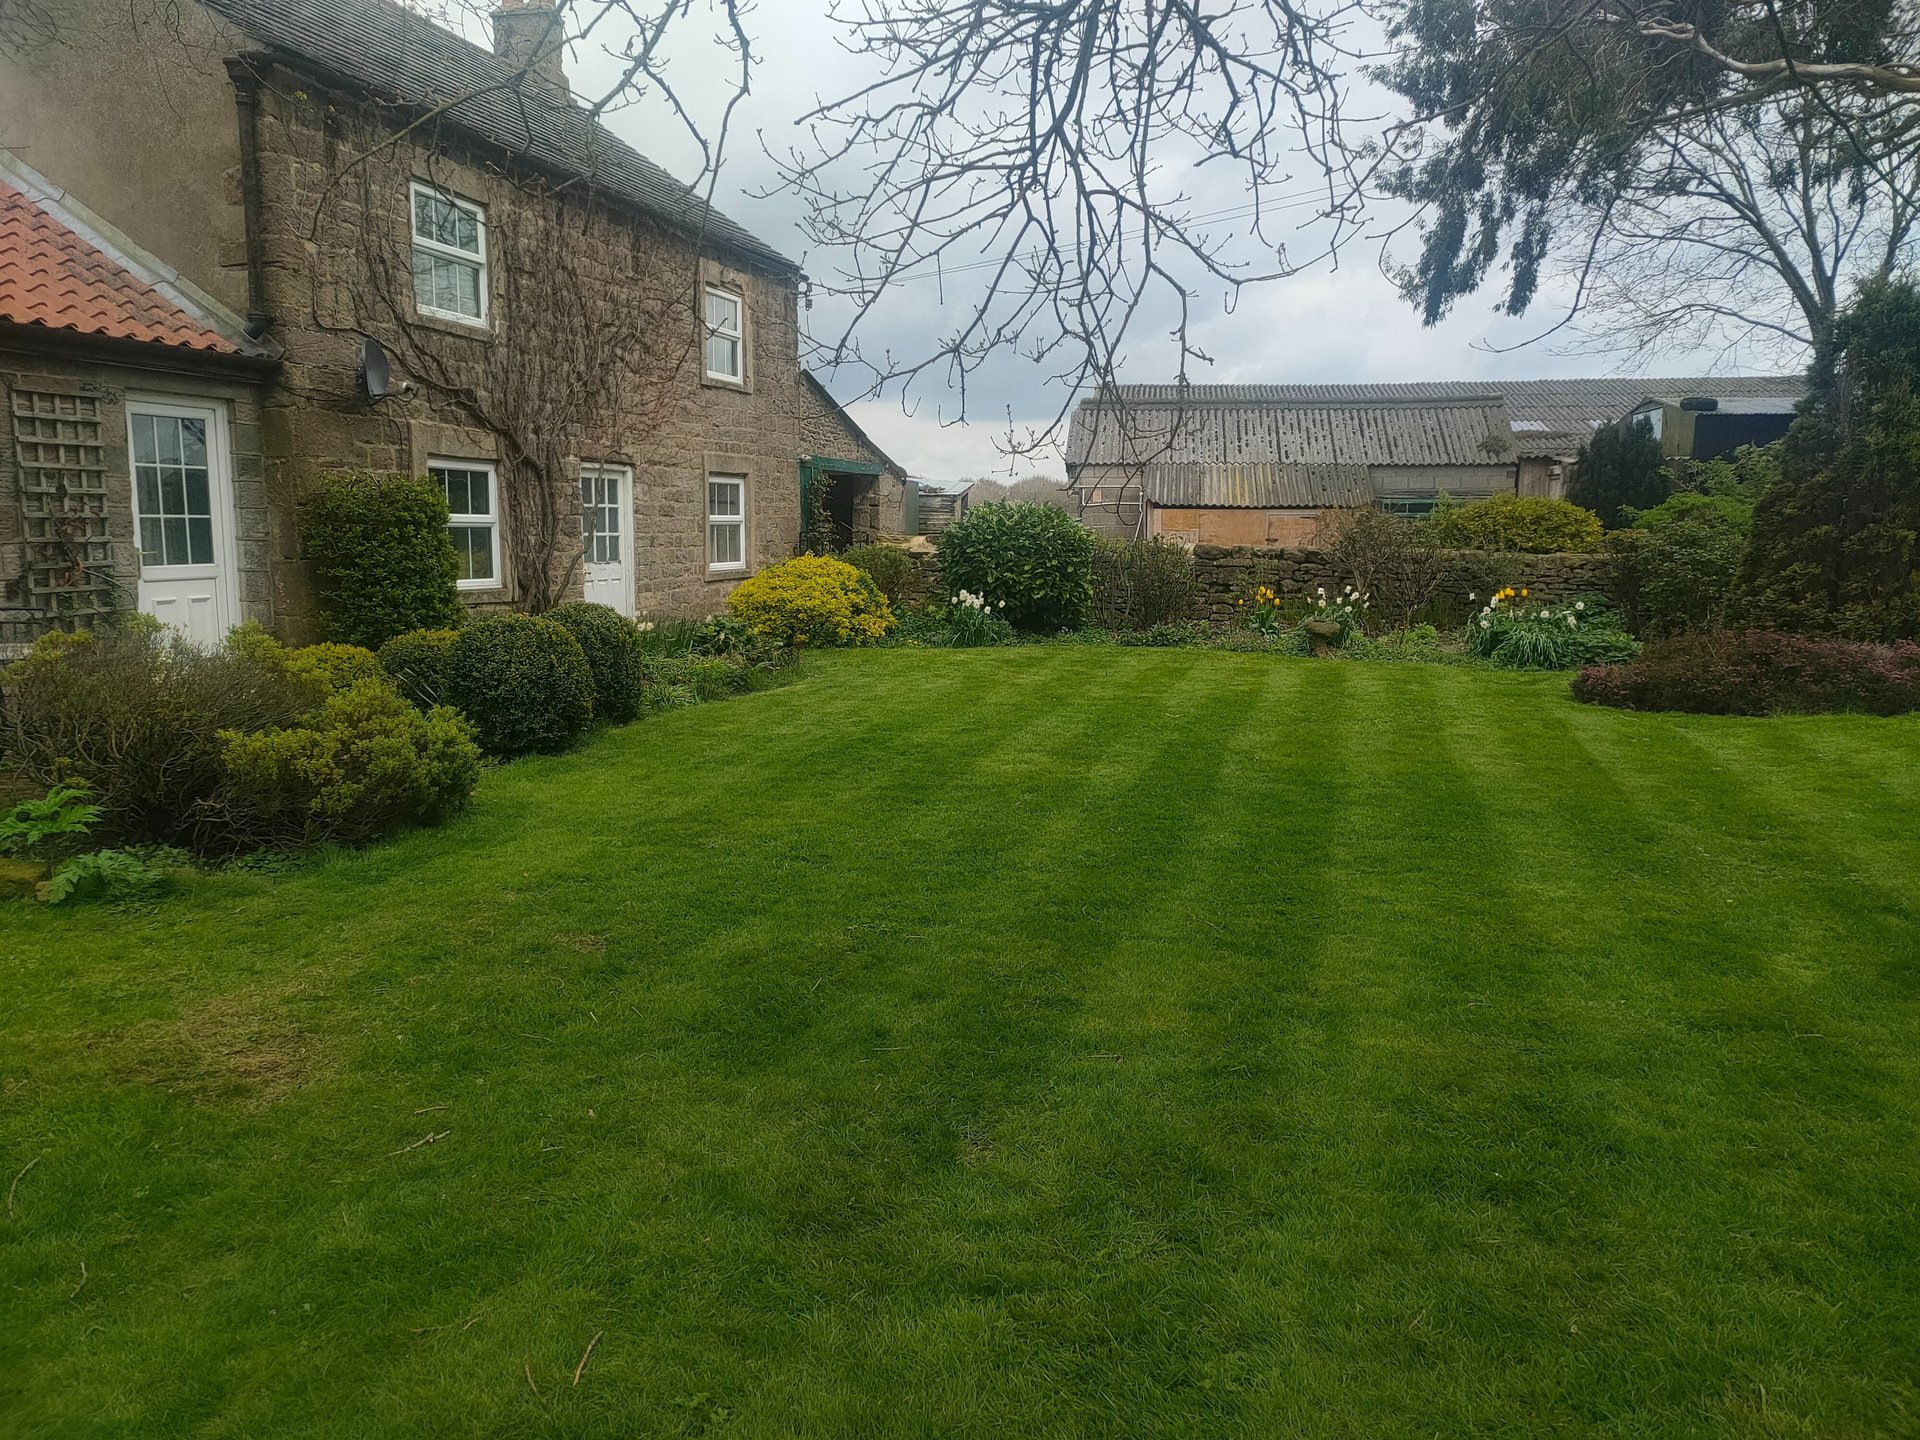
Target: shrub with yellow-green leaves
x=812 y=600
x=364 y=764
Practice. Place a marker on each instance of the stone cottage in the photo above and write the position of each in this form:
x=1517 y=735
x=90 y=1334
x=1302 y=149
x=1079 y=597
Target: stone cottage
x=244 y=243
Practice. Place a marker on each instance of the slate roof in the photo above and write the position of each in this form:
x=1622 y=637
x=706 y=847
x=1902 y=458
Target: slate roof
x=55 y=278
x=398 y=53
x=1550 y=417
x=1286 y=452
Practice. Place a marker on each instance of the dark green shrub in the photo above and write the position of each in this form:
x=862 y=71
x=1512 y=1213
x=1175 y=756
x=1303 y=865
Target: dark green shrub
x=139 y=715
x=1531 y=524
x=524 y=683
x=1140 y=584
x=1680 y=569
x=1621 y=468
x=382 y=559
x=417 y=662
x=890 y=567
x=1756 y=672
x=1836 y=539
x=1035 y=558
x=365 y=764
x=613 y=650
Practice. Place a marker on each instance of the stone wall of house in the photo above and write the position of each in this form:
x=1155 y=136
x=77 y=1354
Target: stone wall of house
x=1224 y=575
x=81 y=406
x=337 y=246
x=879 y=501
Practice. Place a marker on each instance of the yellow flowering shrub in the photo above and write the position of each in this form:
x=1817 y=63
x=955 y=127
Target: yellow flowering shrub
x=812 y=600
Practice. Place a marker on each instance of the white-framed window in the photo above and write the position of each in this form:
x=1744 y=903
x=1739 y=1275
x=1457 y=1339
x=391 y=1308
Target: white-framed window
x=726 y=335
x=449 y=256
x=726 y=522
x=600 y=513
x=473 y=519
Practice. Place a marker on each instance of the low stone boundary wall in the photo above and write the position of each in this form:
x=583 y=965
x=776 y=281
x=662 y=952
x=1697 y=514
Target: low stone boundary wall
x=1224 y=575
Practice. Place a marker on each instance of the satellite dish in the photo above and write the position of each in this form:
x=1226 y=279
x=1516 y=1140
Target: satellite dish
x=376 y=378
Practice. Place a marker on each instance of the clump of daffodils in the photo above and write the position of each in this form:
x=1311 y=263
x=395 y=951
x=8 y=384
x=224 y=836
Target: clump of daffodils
x=1510 y=604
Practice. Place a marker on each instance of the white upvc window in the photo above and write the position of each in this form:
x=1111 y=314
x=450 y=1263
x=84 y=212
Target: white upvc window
x=449 y=256
x=473 y=519
x=726 y=335
x=726 y=522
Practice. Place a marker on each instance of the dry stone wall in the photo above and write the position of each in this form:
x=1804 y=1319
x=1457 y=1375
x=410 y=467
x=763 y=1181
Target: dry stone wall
x=1223 y=575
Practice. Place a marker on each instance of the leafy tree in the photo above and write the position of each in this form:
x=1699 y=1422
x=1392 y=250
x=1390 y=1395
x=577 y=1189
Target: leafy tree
x=1697 y=173
x=1622 y=466
x=1834 y=538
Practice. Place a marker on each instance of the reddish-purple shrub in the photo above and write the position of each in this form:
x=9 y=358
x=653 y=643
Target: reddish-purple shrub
x=1759 y=672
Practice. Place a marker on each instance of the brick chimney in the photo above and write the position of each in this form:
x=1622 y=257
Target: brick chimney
x=530 y=35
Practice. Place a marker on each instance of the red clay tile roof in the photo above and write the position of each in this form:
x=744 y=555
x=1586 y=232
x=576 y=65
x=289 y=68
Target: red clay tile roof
x=50 y=276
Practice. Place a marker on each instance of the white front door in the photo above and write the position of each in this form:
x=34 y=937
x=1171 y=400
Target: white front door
x=183 y=515
x=606 y=530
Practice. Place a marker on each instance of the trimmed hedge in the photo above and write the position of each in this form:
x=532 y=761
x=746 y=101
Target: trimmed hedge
x=1035 y=559
x=613 y=649
x=523 y=681
x=1531 y=524
x=382 y=558
x=1759 y=672
x=417 y=662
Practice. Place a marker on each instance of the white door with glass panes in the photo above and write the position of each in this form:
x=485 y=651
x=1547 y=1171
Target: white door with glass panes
x=473 y=520
x=606 y=534
x=183 y=515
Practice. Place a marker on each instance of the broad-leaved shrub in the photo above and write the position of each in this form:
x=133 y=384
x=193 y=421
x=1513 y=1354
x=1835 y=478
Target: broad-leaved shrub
x=1035 y=558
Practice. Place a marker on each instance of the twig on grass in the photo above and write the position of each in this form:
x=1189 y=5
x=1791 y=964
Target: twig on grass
x=83 y=1280
x=16 y=1183
x=528 y=1365
x=427 y=1139
x=428 y=1109
x=581 y=1368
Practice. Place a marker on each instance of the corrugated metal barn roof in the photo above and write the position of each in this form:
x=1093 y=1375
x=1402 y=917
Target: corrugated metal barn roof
x=1288 y=453
x=1550 y=417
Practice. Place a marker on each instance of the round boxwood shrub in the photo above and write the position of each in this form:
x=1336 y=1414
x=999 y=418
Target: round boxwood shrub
x=417 y=662
x=381 y=555
x=812 y=600
x=613 y=649
x=1034 y=559
x=524 y=683
x=1532 y=524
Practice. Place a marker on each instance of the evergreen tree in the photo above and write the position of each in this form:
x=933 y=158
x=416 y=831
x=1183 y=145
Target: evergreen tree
x=1834 y=538
x=1621 y=466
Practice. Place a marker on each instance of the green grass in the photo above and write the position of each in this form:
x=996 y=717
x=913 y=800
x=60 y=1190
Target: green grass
x=1028 y=1042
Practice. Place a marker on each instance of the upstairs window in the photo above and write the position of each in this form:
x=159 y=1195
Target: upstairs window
x=449 y=256
x=726 y=337
x=473 y=520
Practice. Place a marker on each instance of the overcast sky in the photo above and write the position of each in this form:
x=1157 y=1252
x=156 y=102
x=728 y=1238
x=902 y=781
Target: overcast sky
x=1326 y=325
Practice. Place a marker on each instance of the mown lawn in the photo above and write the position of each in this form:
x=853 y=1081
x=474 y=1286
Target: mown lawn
x=1035 y=1042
